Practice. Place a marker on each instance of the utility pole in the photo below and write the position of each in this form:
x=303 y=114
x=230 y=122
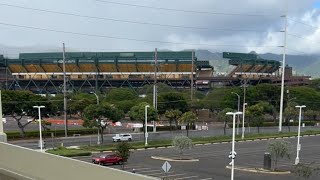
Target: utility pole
x=283 y=66
x=155 y=93
x=192 y=69
x=65 y=93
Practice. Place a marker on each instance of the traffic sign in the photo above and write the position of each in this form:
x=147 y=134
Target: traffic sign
x=166 y=166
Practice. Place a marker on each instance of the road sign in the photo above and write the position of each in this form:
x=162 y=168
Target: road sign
x=166 y=166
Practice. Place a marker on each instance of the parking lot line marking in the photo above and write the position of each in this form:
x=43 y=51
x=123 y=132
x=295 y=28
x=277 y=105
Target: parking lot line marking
x=173 y=175
x=148 y=171
x=206 y=179
x=137 y=169
x=154 y=174
x=188 y=177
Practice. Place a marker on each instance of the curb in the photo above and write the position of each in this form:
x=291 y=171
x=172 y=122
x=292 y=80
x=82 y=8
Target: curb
x=174 y=160
x=259 y=170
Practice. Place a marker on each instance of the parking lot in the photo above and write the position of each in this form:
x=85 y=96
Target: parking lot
x=213 y=160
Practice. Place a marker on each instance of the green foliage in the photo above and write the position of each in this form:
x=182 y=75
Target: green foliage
x=182 y=143
x=161 y=88
x=94 y=114
x=221 y=98
x=172 y=100
x=123 y=150
x=188 y=118
x=125 y=105
x=279 y=149
x=306 y=96
x=223 y=117
x=79 y=101
x=257 y=112
x=121 y=94
x=173 y=115
x=62 y=151
x=305 y=170
x=138 y=113
x=57 y=133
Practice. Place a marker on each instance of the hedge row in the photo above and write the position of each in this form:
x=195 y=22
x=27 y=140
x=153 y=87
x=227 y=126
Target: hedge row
x=57 y=133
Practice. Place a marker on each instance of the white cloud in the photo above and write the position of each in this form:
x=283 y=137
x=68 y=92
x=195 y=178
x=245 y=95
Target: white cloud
x=271 y=24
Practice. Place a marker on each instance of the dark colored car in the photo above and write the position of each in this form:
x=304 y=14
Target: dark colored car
x=107 y=159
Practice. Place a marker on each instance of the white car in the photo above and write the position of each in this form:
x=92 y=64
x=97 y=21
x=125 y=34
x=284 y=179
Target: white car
x=122 y=137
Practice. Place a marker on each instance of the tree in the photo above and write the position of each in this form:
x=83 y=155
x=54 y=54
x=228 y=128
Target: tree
x=172 y=100
x=290 y=112
x=305 y=170
x=173 y=115
x=188 y=118
x=121 y=94
x=18 y=104
x=257 y=112
x=225 y=118
x=123 y=151
x=279 y=149
x=79 y=102
x=311 y=115
x=125 y=105
x=94 y=114
x=137 y=113
x=182 y=143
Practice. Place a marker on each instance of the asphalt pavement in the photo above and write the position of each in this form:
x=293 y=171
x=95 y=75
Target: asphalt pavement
x=213 y=159
x=139 y=137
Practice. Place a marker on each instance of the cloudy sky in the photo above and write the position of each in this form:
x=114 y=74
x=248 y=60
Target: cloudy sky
x=216 y=25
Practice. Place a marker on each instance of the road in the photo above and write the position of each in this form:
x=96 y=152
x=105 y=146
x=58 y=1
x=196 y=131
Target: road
x=137 y=137
x=214 y=158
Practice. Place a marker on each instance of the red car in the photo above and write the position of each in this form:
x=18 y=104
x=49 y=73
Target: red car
x=107 y=159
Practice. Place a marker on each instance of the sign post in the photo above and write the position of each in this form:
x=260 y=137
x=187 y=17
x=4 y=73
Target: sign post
x=166 y=167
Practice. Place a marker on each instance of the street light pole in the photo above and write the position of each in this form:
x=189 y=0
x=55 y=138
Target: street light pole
x=146 y=125
x=243 y=115
x=97 y=97
x=233 y=153
x=298 y=143
x=238 y=120
x=40 y=130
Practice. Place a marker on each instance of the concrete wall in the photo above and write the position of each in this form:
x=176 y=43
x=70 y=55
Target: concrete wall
x=29 y=164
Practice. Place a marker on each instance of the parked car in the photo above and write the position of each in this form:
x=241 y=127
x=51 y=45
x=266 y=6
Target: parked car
x=122 y=137
x=107 y=159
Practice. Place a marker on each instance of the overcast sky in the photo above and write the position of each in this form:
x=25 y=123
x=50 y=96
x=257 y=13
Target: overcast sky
x=222 y=28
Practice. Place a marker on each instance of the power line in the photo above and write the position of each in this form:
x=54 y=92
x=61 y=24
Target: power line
x=306 y=24
x=122 y=38
x=182 y=10
x=127 y=21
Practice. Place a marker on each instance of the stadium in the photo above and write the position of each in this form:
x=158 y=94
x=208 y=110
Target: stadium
x=85 y=71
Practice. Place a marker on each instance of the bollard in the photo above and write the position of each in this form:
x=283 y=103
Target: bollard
x=267 y=161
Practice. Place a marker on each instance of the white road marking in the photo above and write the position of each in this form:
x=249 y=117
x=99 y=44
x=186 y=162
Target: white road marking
x=189 y=177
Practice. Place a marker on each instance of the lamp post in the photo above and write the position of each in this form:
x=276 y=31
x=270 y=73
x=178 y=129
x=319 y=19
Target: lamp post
x=233 y=153
x=298 y=143
x=40 y=130
x=97 y=97
x=146 y=125
x=238 y=120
